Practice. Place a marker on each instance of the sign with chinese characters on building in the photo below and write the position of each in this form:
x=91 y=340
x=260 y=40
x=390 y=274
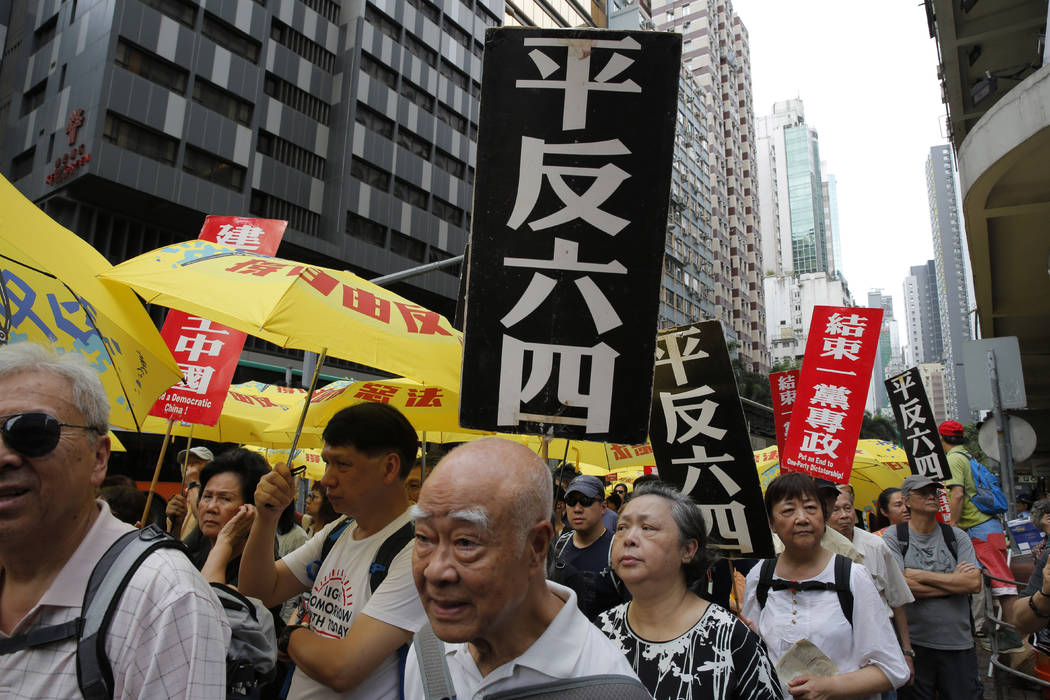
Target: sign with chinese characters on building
x=832 y=391
x=700 y=439
x=783 y=386
x=208 y=352
x=570 y=214
x=918 y=427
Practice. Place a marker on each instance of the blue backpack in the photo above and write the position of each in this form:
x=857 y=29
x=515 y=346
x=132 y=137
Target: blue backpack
x=989 y=498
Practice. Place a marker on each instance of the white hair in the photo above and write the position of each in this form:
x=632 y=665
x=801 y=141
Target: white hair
x=89 y=396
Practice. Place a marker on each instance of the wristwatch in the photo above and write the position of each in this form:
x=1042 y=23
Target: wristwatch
x=908 y=652
x=286 y=637
x=193 y=485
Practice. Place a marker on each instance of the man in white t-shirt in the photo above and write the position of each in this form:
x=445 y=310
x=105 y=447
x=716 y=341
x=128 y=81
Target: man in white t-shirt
x=483 y=526
x=168 y=634
x=879 y=561
x=350 y=647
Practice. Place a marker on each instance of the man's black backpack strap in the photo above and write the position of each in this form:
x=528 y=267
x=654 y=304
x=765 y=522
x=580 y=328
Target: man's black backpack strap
x=946 y=532
x=107 y=583
x=841 y=586
x=390 y=548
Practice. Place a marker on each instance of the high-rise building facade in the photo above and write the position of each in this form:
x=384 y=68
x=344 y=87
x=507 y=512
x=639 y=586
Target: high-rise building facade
x=551 y=14
x=716 y=52
x=129 y=121
x=954 y=284
x=922 y=315
x=889 y=360
x=799 y=230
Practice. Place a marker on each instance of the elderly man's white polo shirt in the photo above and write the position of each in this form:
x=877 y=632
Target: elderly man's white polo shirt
x=168 y=637
x=570 y=647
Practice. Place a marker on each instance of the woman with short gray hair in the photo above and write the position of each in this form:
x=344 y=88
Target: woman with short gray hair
x=680 y=645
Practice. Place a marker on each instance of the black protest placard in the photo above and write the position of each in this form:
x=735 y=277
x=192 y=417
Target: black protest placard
x=570 y=212
x=917 y=425
x=700 y=439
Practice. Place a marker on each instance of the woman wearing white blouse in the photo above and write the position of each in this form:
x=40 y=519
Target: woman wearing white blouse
x=865 y=649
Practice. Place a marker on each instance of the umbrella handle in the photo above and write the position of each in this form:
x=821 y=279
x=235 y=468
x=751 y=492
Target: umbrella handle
x=156 y=473
x=299 y=471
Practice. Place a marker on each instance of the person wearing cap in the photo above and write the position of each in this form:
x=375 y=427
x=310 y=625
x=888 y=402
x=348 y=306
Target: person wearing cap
x=182 y=507
x=942 y=644
x=984 y=531
x=1024 y=502
x=581 y=557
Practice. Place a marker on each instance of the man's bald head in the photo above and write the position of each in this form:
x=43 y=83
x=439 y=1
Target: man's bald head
x=497 y=477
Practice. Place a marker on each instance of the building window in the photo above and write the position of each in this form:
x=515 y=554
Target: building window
x=420 y=50
x=371 y=175
x=22 y=164
x=140 y=139
x=456 y=121
x=447 y=211
x=457 y=34
x=407 y=192
x=299 y=100
x=290 y=154
x=225 y=103
x=383 y=23
x=34 y=97
x=407 y=247
x=455 y=76
x=300 y=44
x=370 y=119
x=230 y=38
x=417 y=95
x=366 y=230
x=269 y=207
x=326 y=8
x=45 y=33
x=427 y=8
x=413 y=144
x=150 y=66
x=450 y=163
x=372 y=67
x=210 y=167
x=181 y=11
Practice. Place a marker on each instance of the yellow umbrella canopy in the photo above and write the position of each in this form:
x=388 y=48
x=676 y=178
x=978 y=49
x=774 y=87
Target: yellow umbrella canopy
x=247 y=413
x=50 y=295
x=430 y=409
x=306 y=459
x=878 y=465
x=607 y=456
x=295 y=305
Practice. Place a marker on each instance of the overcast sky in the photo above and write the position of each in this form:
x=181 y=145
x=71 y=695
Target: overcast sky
x=867 y=74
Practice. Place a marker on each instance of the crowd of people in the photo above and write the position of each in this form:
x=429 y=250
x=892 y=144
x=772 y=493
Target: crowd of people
x=485 y=573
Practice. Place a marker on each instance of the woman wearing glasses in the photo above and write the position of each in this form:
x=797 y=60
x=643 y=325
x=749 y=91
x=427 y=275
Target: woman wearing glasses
x=319 y=508
x=680 y=645
x=225 y=511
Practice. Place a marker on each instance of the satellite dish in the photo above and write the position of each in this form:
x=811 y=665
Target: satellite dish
x=1022 y=439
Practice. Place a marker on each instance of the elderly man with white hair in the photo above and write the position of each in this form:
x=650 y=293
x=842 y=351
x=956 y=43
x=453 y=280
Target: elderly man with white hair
x=483 y=526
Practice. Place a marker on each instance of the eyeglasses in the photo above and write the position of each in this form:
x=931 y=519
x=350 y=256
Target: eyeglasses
x=572 y=499
x=311 y=495
x=35 y=434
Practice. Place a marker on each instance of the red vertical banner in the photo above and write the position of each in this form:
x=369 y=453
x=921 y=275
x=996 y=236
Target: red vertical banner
x=207 y=352
x=784 y=386
x=832 y=389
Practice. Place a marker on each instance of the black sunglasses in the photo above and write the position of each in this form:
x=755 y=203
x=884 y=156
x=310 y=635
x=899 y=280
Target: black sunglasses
x=572 y=499
x=34 y=434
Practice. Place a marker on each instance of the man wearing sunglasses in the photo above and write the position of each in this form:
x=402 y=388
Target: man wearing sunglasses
x=168 y=635
x=581 y=557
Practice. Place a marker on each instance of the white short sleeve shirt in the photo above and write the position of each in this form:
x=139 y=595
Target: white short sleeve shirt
x=341 y=592
x=889 y=580
x=570 y=647
x=168 y=637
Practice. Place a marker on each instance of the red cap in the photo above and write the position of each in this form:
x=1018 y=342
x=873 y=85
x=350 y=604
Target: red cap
x=951 y=428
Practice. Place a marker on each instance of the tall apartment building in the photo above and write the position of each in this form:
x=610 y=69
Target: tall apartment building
x=889 y=360
x=799 y=229
x=922 y=315
x=932 y=375
x=688 y=288
x=551 y=14
x=716 y=52
x=954 y=283
x=130 y=120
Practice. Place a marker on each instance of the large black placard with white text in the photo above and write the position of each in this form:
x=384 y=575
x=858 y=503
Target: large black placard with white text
x=700 y=439
x=566 y=249
x=917 y=425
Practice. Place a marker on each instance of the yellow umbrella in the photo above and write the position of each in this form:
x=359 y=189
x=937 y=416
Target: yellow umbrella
x=247 y=412
x=607 y=456
x=295 y=305
x=50 y=295
x=305 y=459
x=115 y=445
x=430 y=409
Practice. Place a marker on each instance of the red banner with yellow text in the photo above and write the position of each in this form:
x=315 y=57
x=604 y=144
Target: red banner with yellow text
x=784 y=386
x=832 y=390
